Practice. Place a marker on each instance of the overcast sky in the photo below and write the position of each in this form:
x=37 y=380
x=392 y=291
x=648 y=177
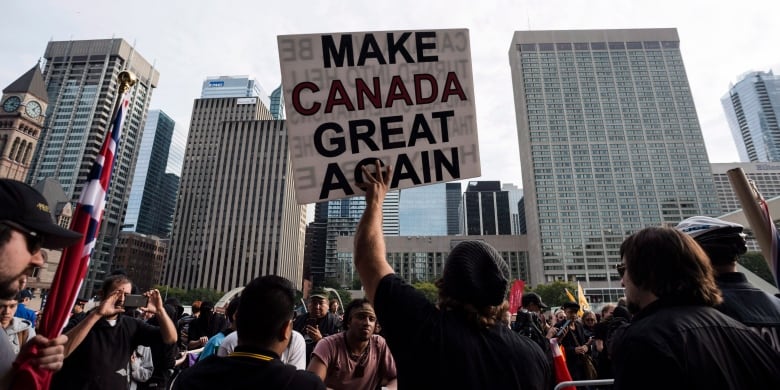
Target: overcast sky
x=190 y=40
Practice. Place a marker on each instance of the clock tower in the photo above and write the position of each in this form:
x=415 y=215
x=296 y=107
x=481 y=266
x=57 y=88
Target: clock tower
x=22 y=114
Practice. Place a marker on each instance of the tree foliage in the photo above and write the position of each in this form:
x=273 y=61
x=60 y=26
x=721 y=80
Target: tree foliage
x=755 y=262
x=554 y=294
x=186 y=297
x=429 y=290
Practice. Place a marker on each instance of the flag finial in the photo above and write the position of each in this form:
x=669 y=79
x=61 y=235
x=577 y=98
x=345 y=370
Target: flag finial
x=126 y=80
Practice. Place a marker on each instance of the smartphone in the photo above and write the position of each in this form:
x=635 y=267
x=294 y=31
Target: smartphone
x=312 y=322
x=136 y=300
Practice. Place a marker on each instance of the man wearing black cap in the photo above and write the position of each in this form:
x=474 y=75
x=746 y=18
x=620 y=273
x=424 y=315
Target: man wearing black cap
x=571 y=336
x=26 y=226
x=529 y=322
x=318 y=323
x=723 y=242
x=461 y=342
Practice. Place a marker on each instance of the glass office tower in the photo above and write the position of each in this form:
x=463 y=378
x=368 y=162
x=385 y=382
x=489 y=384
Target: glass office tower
x=752 y=106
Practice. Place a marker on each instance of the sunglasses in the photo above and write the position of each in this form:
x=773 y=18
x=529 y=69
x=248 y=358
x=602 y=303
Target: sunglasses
x=621 y=269
x=34 y=240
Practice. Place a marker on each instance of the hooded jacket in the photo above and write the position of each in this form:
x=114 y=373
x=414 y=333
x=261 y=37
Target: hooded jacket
x=19 y=332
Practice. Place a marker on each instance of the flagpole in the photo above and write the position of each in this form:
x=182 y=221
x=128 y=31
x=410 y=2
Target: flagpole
x=74 y=261
x=748 y=198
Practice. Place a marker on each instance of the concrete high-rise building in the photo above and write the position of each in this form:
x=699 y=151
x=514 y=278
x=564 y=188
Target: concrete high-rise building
x=609 y=144
x=21 y=119
x=486 y=209
x=236 y=215
x=81 y=82
x=141 y=256
x=454 y=204
x=766 y=178
x=153 y=193
x=752 y=108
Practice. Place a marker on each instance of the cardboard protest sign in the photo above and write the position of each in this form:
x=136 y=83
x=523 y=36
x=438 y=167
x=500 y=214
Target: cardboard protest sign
x=403 y=97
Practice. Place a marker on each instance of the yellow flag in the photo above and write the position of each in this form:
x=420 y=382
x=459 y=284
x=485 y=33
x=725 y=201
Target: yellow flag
x=570 y=295
x=581 y=300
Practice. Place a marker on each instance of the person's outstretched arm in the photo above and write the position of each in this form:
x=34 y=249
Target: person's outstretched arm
x=369 y=252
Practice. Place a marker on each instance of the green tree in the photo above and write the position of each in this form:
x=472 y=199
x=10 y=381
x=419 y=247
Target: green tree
x=755 y=262
x=356 y=285
x=554 y=294
x=186 y=297
x=429 y=290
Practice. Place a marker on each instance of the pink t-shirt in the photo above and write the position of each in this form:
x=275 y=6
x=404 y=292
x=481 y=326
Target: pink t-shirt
x=379 y=368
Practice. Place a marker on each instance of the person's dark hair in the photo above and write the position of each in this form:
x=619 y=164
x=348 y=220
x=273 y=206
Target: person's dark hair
x=261 y=327
x=112 y=282
x=480 y=318
x=671 y=265
x=352 y=305
x=176 y=305
x=232 y=308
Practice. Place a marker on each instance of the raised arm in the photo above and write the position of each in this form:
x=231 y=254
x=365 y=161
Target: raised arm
x=107 y=308
x=369 y=252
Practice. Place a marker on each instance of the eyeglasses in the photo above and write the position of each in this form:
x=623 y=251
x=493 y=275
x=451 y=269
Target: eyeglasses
x=34 y=240
x=621 y=269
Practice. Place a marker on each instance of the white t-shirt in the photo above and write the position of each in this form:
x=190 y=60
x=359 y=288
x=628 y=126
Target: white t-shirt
x=294 y=355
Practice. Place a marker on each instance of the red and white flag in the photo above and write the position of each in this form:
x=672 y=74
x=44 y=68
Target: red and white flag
x=75 y=259
x=559 y=364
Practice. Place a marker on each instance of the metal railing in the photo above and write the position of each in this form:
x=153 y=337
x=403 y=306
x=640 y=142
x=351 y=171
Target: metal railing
x=592 y=382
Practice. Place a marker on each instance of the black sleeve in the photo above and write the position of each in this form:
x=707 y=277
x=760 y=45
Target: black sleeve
x=399 y=306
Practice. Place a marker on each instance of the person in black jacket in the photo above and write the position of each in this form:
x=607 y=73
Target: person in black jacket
x=318 y=323
x=724 y=242
x=677 y=339
x=262 y=337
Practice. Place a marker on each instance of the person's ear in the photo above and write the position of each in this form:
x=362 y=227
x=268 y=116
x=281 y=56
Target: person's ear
x=285 y=333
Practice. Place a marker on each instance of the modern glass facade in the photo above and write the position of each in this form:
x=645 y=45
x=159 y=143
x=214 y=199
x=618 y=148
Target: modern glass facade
x=515 y=194
x=423 y=210
x=486 y=209
x=233 y=86
x=277 y=104
x=454 y=204
x=752 y=107
x=81 y=81
x=339 y=218
x=609 y=144
x=152 y=197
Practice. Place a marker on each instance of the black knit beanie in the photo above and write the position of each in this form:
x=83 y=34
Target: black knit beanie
x=476 y=273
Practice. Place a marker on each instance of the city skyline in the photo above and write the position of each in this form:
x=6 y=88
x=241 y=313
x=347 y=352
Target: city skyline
x=189 y=51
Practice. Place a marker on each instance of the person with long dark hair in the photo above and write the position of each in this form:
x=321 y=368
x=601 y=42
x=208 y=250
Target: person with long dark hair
x=676 y=337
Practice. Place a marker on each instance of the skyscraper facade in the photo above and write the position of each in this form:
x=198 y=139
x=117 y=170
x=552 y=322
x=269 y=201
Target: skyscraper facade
x=338 y=218
x=609 y=144
x=234 y=86
x=153 y=193
x=423 y=210
x=454 y=205
x=752 y=108
x=236 y=215
x=486 y=209
x=81 y=82
x=277 y=104
x=515 y=194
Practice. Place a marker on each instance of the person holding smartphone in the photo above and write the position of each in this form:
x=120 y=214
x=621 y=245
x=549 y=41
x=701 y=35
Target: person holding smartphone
x=99 y=347
x=318 y=323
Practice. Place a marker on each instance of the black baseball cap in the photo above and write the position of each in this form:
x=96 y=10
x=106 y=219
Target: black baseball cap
x=529 y=298
x=22 y=205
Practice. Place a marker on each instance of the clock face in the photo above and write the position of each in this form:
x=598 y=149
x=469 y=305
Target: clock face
x=11 y=104
x=33 y=109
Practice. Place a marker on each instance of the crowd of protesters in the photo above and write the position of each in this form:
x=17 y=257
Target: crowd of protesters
x=688 y=320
